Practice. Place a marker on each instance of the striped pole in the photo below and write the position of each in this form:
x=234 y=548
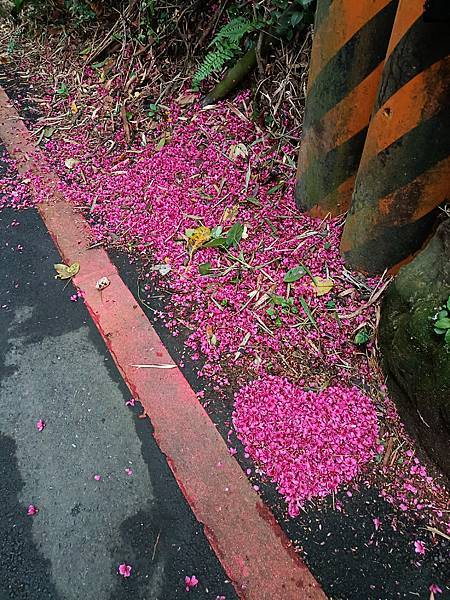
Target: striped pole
x=350 y=42
x=404 y=173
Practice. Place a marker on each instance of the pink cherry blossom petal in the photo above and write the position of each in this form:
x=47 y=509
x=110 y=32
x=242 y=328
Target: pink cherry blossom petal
x=190 y=582
x=419 y=547
x=124 y=570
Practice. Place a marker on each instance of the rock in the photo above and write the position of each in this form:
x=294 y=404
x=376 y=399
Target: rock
x=416 y=359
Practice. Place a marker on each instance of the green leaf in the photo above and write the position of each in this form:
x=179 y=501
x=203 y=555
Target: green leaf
x=162 y=142
x=219 y=242
x=99 y=65
x=204 y=268
x=362 y=337
x=48 y=132
x=442 y=314
x=330 y=304
x=443 y=323
x=440 y=331
x=234 y=235
x=62 y=90
x=296 y=18
x=448 y=303
x=276 y=188
x=278 y=300
x=253 y=200
x=447 y=337
x=216 y=232
x=294 y=274
x=308 y=312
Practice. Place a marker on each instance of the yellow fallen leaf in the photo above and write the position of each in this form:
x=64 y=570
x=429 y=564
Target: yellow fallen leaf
x=65 y=271
x=198 y=237
x=230 y=213
x=74 y=108
x=322 y=286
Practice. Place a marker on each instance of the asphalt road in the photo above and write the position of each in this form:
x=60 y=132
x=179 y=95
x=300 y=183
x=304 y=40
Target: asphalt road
x=54 y=366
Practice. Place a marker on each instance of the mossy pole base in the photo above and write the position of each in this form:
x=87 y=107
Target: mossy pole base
x=415 y=358
x=404 y=173
x=349 y=46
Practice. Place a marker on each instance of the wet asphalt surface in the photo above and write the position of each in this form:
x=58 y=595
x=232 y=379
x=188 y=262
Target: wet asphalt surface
x=54 y=366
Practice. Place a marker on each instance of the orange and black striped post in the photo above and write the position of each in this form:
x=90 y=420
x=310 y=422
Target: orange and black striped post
x=350 y=42
x=404 y=172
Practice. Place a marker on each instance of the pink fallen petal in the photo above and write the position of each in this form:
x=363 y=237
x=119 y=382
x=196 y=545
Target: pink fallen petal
x=419 y=547
x=377 y=523
x=124 y=570
x=232 y=451
x=32 y=510
x=129 y=471
x=130 y=402
x=190 y=582
x=97 y=477
x=40 y=425
x=435 y=589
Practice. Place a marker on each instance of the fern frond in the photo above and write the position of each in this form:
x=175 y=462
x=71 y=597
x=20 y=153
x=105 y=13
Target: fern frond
x=214 y=61
x=234 y=31
x=227 y=46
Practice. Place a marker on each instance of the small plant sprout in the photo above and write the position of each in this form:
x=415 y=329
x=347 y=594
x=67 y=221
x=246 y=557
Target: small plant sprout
x=442 y=322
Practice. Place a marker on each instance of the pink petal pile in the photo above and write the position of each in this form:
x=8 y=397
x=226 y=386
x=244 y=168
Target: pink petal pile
x=308 y=442
x=146 y=197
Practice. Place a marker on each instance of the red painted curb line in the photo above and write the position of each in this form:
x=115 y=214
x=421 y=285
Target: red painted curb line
x=254 y=551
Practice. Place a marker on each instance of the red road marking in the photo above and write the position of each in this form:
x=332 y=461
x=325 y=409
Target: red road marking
x=254 y=551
